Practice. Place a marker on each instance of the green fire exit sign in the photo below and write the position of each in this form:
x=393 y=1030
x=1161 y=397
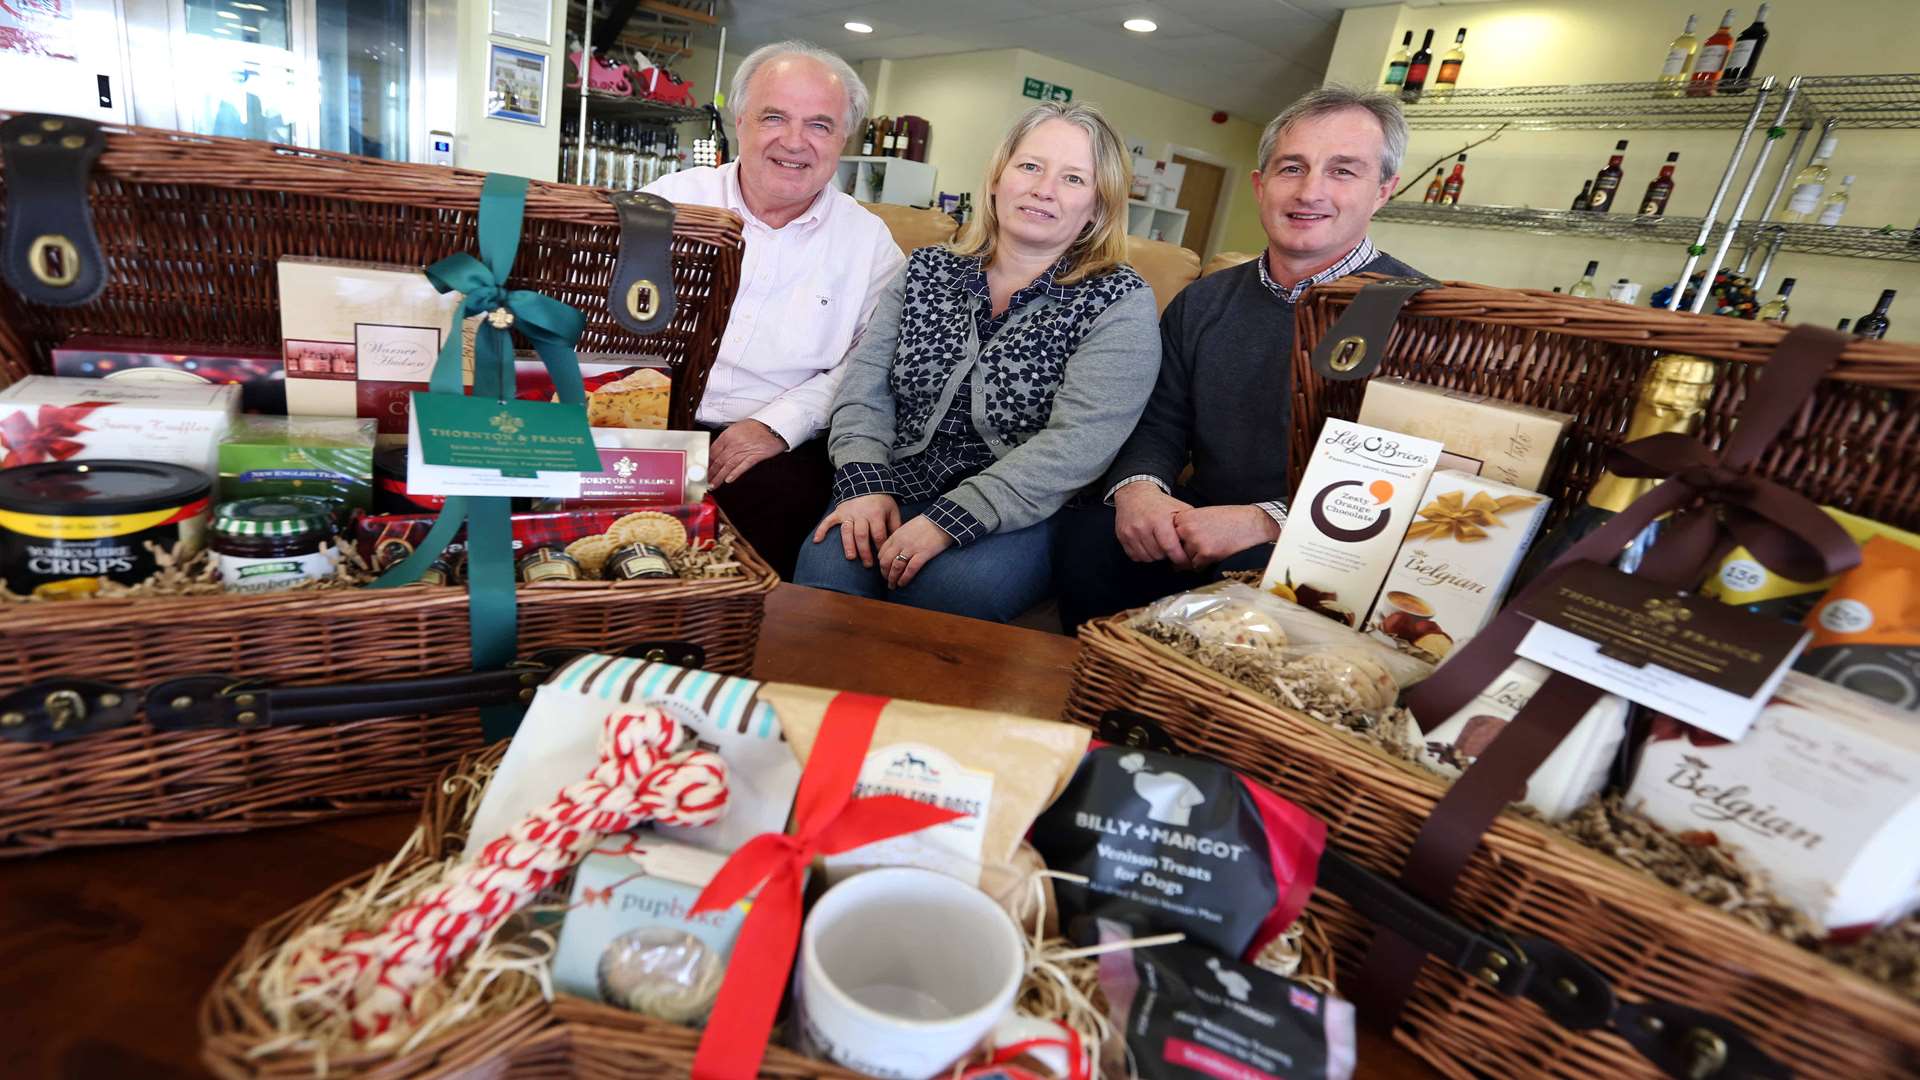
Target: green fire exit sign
x=1046 y=91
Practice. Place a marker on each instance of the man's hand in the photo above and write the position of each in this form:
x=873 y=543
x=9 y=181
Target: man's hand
x=865 y=521
x=1211 y=533
x=1143 y=523
x=739 y=448
x=911 y=547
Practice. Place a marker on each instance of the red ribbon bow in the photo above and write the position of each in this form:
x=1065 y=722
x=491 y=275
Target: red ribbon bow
x=48 y=437
x=828 y=820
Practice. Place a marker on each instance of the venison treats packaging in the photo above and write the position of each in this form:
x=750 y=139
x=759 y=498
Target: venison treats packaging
x=1353 y=506
x=1174 y=843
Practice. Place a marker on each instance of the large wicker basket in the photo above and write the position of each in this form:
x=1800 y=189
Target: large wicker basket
x=1854 y=446
x=563 y=1037
x=191 y=228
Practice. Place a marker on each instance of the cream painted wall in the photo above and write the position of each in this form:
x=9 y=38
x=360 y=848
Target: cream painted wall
x=505 y=145
x=1558 y=41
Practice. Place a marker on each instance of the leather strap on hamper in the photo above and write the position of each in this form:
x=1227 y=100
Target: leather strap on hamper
x=641 y=296
x=62 y=710
x=1682 y=1041
x=1357 y=343
x=48 y=252
x=1714 y=502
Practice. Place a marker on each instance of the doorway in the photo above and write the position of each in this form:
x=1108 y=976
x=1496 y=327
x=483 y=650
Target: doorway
x=1200 y=198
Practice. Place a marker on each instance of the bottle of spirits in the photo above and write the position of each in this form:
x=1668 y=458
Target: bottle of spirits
x=1672 y=397
x=1810 y=183
x=1673 y=74
x=1580 y=200
x=1397 y=65
x=1836 y=204
x=882 y=129
x=1607 y=182
x=1776 y=309
x=1874 y=323
x=1450 y=191
x=898 y=146
x=1449 y=73
x=1416 y=79
x=1661 y=189
x=1844 y=323
x=1746 y=54
x=1438 y=187
x=1584 y=287
x=1711 y=63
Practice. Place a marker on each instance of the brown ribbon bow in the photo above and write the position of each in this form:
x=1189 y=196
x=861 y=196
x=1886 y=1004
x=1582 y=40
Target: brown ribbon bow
x=1785 y=531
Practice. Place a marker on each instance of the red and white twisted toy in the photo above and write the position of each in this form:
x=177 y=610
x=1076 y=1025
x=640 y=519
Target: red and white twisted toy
x=379 y=976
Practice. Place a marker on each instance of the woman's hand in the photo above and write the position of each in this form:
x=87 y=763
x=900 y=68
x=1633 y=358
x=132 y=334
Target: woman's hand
x=865 y=521
x=911 y=547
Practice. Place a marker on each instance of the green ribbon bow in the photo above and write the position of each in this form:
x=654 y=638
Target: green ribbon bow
x=553 y=328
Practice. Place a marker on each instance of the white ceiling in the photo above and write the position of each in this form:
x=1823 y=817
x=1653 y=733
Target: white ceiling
x=1249 y=57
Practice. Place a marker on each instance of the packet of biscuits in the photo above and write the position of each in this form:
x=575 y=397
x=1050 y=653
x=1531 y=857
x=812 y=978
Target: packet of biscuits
x=1866 y=629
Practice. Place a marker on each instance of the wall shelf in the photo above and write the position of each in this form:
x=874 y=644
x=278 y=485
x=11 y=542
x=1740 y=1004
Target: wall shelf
x=1864 y=101
x=1591 y=106
x=1842 y=241
x=1664 y=229
x=613 y=107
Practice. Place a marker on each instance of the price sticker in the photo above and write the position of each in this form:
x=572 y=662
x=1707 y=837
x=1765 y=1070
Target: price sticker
x=1742 y=575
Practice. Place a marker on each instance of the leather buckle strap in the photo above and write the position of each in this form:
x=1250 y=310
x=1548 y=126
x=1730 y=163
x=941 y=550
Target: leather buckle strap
x=48 y=252
x=61 y=710
x=641 y=297
x=1357 y=342
x=1693 y=1045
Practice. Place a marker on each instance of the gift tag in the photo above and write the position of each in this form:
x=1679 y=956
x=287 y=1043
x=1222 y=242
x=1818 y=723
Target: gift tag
x=1689 y=657
x=459 y=445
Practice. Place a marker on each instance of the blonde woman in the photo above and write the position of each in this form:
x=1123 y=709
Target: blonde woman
x=997 y=378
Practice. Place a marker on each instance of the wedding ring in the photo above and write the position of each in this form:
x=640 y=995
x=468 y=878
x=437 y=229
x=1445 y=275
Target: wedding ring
x=903 y=558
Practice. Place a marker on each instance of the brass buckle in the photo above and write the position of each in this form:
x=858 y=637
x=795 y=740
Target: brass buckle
x=643 y=299
x=1348 y=353
x=69 y=260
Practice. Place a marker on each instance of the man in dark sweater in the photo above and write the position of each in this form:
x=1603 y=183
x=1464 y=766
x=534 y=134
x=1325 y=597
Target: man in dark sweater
x=1224 y=398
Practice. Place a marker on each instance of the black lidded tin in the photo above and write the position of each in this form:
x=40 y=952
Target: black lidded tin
x=66 y=526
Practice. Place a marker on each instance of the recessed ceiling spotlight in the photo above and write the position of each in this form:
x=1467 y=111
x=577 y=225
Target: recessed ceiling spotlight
x=1141 y=26
x=250 y=7
x=860 y=28
x=226 y=14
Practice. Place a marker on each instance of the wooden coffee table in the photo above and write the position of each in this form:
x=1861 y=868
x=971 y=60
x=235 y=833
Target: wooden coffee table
x=105 y=953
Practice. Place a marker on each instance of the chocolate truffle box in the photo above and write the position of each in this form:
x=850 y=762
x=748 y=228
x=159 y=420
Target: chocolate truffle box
x=1696 y=990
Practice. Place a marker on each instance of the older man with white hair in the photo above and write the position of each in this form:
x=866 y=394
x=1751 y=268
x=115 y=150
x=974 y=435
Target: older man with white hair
x=814 y=265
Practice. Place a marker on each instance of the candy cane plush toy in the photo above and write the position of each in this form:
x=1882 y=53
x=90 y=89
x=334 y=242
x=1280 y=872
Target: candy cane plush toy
x=378 y=976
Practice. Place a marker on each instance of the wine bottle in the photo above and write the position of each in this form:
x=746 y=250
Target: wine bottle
x=1584 y=287
x=1580 y=200
x=1438 y=187
x=1671 y=397
x=1746 y=54
x=1776 y=309
x=1449 y=73
x=1607 y=182
x=1810 y=183
x=1661 y=189
x=1874 y=323
x=1450 y=191
x=866 y=140
x=1844 y=323
x=1711 y=63
x=1397 y=66
x=1836 y=204
x=1673 y=74
x=1416 y=80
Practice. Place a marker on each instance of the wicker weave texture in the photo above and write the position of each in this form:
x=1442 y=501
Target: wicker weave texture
x=192 y=228
x=1649 y=939
x=567 y=1037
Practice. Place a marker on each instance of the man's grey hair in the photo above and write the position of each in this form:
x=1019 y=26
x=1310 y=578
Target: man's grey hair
x=857 y=97
x=1333 y=98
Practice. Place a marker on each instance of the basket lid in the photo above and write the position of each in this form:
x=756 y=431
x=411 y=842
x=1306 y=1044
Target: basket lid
x=273 y=515
x=99 y=488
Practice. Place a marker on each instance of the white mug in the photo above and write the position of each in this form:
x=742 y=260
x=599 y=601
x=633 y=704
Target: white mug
x=903 y=971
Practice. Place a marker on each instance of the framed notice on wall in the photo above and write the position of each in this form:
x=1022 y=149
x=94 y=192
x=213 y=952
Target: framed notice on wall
x=516 y=85
x=528 y=20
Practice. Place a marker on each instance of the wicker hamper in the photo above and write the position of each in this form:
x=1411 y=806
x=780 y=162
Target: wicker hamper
x=190 y=228
x=1856 y=444
x=537 y=1038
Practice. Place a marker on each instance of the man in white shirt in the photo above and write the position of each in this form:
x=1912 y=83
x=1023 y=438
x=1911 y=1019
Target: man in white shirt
x=814 y=264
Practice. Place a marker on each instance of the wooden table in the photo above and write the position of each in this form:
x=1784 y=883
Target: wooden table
x=105 y=953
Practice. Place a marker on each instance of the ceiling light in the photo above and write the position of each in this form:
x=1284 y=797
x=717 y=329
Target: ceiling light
x=226 y=14
x=860 y=28
x=249 y=7
x=249 y=29
x=1141 y=26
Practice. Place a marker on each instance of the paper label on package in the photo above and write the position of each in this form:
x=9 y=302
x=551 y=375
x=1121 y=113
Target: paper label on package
x=1690 y=657
x=921 y=773
x=426 y=479
x=640 y=476
x=396 y=353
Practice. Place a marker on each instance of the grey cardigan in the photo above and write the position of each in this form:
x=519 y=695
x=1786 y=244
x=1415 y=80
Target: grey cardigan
x=1055 y=393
